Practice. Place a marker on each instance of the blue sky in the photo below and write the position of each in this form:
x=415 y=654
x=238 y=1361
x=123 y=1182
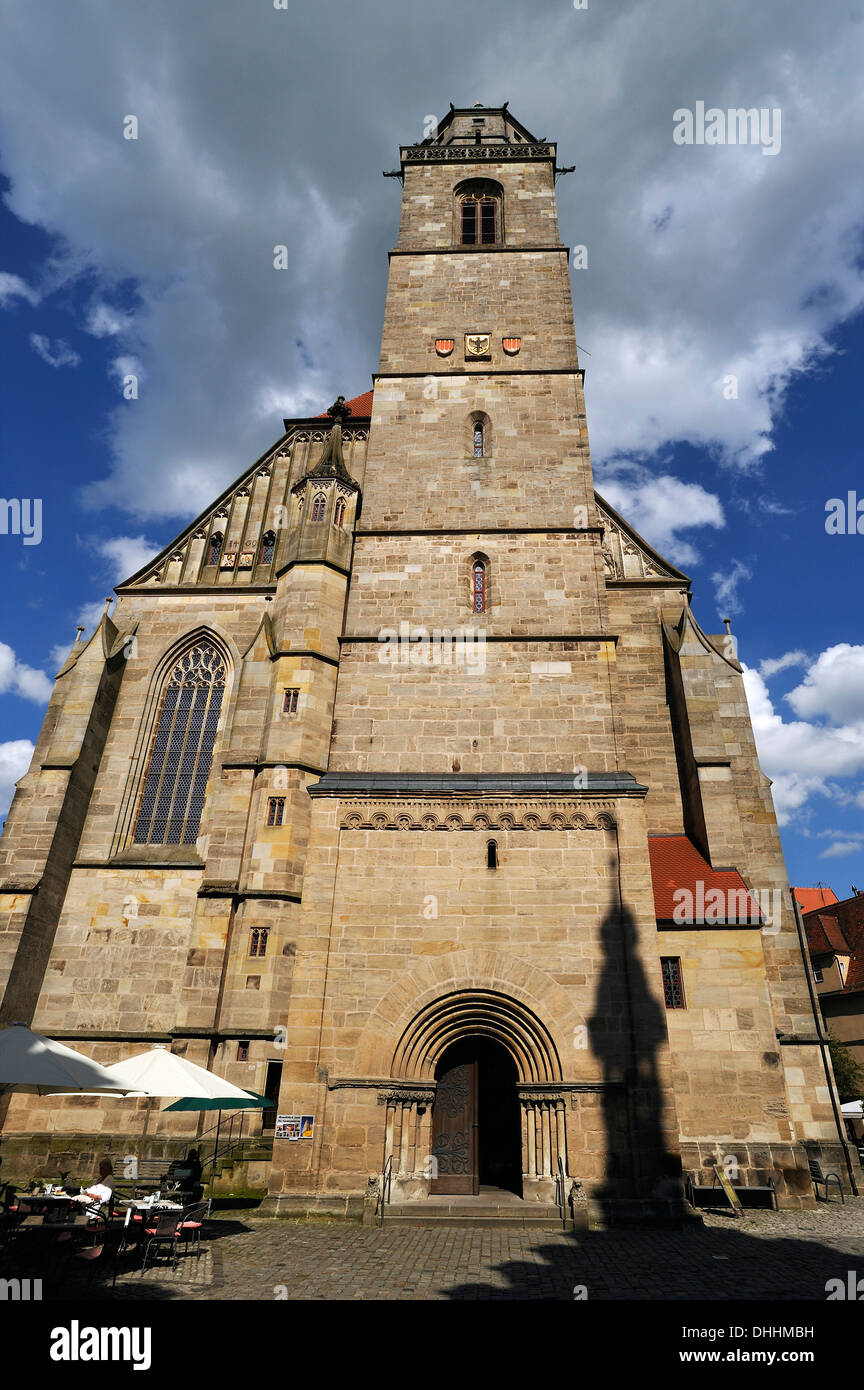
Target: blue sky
x=155 y=256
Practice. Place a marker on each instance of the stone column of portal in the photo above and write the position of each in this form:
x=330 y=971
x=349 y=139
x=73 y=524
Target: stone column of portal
x=561 y=1133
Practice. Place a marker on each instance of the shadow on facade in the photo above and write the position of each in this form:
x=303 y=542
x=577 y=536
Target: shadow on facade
x=627 y=1030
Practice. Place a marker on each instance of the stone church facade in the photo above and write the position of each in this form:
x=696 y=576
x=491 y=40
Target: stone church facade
x=405 y=785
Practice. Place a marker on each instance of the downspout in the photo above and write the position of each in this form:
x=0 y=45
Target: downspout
x=823 y=1043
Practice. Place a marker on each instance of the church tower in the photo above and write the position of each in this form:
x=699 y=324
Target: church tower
x=405 y=786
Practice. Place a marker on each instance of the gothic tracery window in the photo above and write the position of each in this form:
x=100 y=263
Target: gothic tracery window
x=318 y=507
x=479 y=587
x=339 y=513
x=182 y=751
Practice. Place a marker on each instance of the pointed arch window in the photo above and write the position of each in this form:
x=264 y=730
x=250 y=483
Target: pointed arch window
x=173 y=797
x=339 y=513
x=268 y=548
x=318 y=507
x=214 y=549
x=479 y=587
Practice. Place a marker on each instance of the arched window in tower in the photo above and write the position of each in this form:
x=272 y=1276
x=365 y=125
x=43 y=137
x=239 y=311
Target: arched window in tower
x=479 y=586
x=173 y=797
x=479 y=204
x=268 y=548
x=478 y=439
x=318 y=507
x=214 y=549
x=339 y=513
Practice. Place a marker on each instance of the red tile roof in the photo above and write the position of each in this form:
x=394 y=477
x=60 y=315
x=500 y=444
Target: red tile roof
x=839 y=928
x=811 y=898
x=677 y=864
x=824 y=935
x=360 y=406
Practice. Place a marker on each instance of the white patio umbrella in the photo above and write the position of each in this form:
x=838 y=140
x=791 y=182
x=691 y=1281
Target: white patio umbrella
x=853 y=1107
x=40 y=1066
x=160 y=1073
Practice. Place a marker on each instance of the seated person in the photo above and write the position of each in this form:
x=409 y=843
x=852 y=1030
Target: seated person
x=99 y=1192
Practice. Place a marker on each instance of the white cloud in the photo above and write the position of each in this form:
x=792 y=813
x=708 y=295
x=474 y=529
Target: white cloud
x=704 y=262
x=104 y=321
x=56 y=354
x=841 y=848
x=18 y=679
x=126 y=554
x=726 y=586
x=15 y=758
x=833 y=687
x=661 y=508
x=773 y=664
x=12 y=287
x=800 y=757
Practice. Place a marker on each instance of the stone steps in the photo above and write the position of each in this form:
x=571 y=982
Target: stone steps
x=476 y=1214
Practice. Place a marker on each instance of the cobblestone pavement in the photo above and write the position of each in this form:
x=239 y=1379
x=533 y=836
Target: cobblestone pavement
x=764 y=1255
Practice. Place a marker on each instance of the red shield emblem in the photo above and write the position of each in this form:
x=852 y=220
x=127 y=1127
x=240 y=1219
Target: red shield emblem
x=511 y=345
x=444 y=346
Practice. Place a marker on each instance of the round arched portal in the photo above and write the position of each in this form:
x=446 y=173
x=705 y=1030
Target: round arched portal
x=489 y=1067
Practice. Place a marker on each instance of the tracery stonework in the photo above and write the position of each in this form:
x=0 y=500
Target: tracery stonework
x=600 y=758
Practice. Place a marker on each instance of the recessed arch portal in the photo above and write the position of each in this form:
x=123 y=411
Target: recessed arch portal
x=477 y=1013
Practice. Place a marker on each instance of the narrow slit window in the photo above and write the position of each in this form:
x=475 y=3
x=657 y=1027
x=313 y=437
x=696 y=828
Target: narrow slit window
x=492 y=855
x=275 y=810
x=478 y=440
x=214 y=549
x=479 y=586
x=318 y=507
x=290 y=701
x=258 y=941
x=673 y=982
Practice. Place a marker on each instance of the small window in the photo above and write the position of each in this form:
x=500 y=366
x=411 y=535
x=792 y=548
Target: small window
x=318 y=507
x=268 y=548
x=275 y=810
x=258 y=941
x=214 y=549
x=243 y=1051
x=479 y=589
x=339 y=513
x=290 y=701
x=478 y=440
x=673 y=982
x=817 y=974
x=492 y=855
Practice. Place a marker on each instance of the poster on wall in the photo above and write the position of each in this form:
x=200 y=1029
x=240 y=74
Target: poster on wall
x=287 y=1127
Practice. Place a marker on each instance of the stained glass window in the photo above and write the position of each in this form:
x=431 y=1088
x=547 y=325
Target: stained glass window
x=290 y=701
x=318 y=507
x=479 y=587
x=268 y=548
x=258 y=941
x=275 y=810
x=173 y=797
x=478 y=440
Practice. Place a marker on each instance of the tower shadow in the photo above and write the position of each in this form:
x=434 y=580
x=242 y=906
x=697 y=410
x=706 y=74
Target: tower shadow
x=627 y=1029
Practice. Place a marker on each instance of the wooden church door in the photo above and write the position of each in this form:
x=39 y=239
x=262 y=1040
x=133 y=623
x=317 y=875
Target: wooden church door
x=454 y=1132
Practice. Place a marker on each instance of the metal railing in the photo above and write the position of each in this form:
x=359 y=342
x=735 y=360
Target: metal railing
x=386 y=1182
x=561 y=1186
